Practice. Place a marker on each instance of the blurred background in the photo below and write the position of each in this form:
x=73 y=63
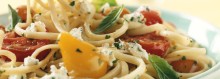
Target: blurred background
x=207 y=10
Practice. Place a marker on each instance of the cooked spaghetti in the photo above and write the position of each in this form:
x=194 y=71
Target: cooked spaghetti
x=73 y=39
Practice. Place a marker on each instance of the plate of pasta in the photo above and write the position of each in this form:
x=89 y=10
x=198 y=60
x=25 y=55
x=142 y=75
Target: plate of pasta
x=80 y=39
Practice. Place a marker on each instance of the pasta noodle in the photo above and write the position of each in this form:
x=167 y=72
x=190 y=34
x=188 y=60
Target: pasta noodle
x=1 y=38
x=35 y=35
x=124 y=45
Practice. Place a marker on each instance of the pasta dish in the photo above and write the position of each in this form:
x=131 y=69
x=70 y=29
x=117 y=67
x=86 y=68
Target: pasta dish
x=97 y=39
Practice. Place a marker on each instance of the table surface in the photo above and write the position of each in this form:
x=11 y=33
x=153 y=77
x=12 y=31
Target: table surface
x=204 y=9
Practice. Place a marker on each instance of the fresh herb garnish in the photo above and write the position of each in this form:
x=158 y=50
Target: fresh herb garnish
x=72 y=3
x=174 y=47
x=15 y=18
x=22 y=77
x=147 y=8
x=117 y=45
x=2 y=71
x=195 y=62
x=136 y=41
x=163 y=69
x=99 y=3
x=88 y=12
x=209 y=65
x=115 y=61
x=140 y=21
x=109 y=20
x=139 y=49
x=52 y=77
x=93 y=49
x=107 y=36
x=132 y=18
x=183 y=58
x=22 y=34
x=102 y=11
x=78 y=50
x=99 y=61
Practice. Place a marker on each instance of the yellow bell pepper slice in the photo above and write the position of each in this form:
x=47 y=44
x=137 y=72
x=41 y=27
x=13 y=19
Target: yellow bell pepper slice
x=81 y=57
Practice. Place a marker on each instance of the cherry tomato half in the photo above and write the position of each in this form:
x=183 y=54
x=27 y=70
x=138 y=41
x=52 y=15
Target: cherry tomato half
x=23 y=47
x=152 y=43
x=152 y=17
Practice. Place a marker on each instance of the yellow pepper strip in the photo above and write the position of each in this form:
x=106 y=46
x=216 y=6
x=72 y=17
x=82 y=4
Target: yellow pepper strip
x=81 y=57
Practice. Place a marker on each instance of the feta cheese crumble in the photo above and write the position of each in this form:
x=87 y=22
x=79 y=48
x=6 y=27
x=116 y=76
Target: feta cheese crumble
x=85 y=6
x=134 y=17
x=29 y=61
x=119 y=45
x=137 y=50
x=17 y=76
x=77 y=32
x=37 y=27
x=108 y=53
x=104 y=7
x=57 y=73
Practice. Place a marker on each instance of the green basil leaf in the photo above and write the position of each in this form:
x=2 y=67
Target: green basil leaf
x=72 y=3
x=99 y=3
x=109 y=20
x=163 y=69
x=15 y=18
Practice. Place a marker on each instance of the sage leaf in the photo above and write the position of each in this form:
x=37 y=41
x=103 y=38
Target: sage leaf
x=109 y=20
x=163 y=69
x=15 y=18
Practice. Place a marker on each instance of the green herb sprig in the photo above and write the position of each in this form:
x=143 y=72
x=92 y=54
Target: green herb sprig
x=163 y=69
x=15 y=18
x=109 y=20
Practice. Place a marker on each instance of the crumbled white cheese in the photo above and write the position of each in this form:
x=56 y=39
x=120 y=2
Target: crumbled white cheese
x=17 y=76
x=77 y=32
x=40 y=26
x=137 y=50
x=108 y=53
x=120 y=45
x=37 y=27
x=141 y=8
x=31 y=28
x=105 y=6
x=29 y=61
x=57 y=73
x=86 y=7
x=134 y=17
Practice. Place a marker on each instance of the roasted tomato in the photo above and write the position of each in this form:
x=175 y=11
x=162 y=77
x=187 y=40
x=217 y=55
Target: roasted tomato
x=23 y=47
x=152 y=17
x=22 y=12
x=185 y=66
x=151 y=42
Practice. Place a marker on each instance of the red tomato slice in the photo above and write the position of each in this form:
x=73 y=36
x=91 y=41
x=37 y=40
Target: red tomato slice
x=23 y=47
x=22 y=12
x=152 y=17
x=152 y=43
x=185 y=66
